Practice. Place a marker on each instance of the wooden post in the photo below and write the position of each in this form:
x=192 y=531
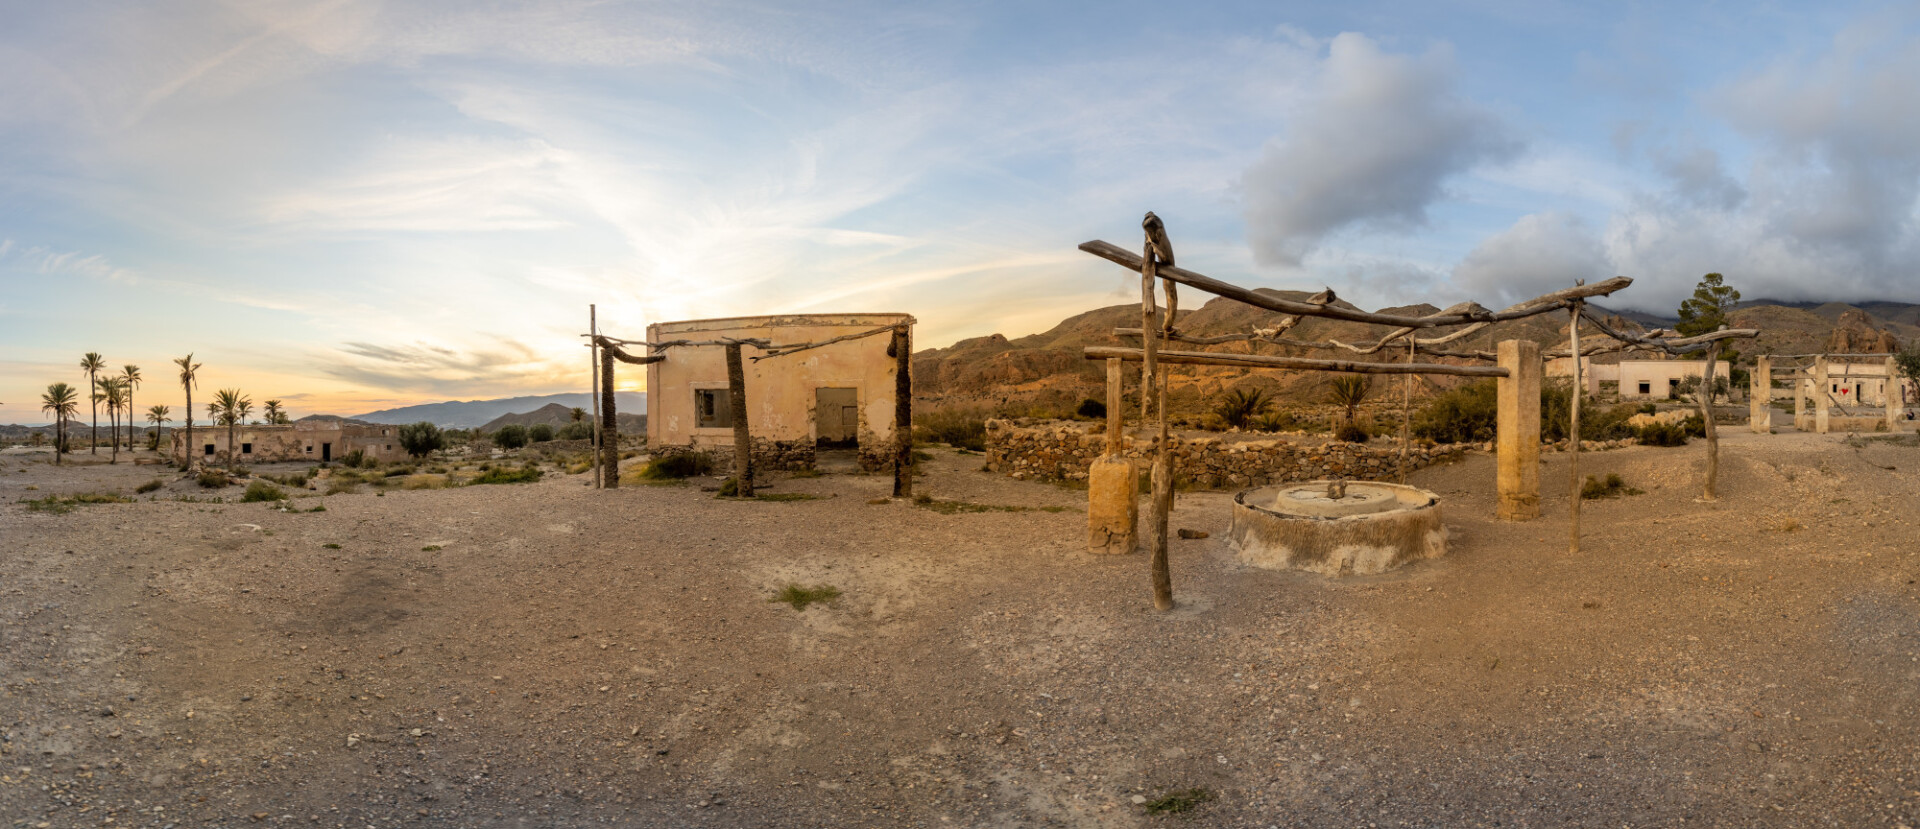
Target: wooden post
x=1822 y=394
x=1406 y=411
x=1573 y=436
x=1116 y=429
x=609 y=425
x=1152 y=384
x=1892 y=395
x=1713 y=438
x=902 y=348
x=593 y=372
x=1518 y=431
x=742 y=436
x=1760 y=396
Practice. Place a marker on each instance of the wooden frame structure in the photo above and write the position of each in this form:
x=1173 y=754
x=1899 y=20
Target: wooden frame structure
x=1519 y=365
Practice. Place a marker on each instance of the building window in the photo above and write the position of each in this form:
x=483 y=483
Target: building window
x=209 y=449
x=309 y=450
x=246 y=448
x=1646 y=388
x=712 y=408
x=389 y=447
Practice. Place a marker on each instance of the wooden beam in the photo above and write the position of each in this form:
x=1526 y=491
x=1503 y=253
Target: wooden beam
x=742 y=436
x=1299 y=363
x=1548 y=302
x=902 y=348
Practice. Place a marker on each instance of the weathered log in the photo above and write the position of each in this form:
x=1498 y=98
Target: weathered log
x=1573 y=436
x=742 y=436
x=1541 y=304
x=1713 y=437
x=1301 y=363
x=593 y=371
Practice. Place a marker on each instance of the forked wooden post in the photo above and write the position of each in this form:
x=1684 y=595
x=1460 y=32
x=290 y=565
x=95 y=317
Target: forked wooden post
x=902 y=350
x=593 y=372
x=1156 y=385
x=1573 y=437
x=609 y=425
x=742 y=436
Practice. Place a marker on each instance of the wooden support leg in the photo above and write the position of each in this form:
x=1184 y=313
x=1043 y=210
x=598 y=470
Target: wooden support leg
x=609 y=426
x=742 y=436
x=902 y=350
x=1713 y=437
x=1518 y=439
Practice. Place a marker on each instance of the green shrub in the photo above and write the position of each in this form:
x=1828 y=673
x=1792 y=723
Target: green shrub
x=960 y=427
x=1092 y=409
x=213 y=479
x=1241 y=405
x=343 y=485
x=577 y=430
x=540 y=433
x=1275 y=422
x=512 y=436
x=421 y=439
x=684 y=465
x=504 y=475
x=262 y=491
x=150 y=486
x=1612 y=487
x=730 y=488
x=1351 y=433
x=1663 y=434
x=800 y=596
x=1467 y=414
x=355 y=459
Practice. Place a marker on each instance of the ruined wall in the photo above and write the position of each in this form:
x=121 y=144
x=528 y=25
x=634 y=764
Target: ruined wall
x=780 y=390
x=790 y=455
x=1053 y=452
x=301 y=441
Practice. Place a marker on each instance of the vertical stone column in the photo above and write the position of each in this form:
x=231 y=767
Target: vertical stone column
x=1518 y=441
x=1822 y=394
x=1760 y=396
x=1113 y=483
x=1894 y=398
x=1800 y=386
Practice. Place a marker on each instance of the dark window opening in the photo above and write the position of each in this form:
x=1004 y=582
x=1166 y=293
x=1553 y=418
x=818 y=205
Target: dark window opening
x=712 y=408
x=209 y=448
x=1646 y=388
x=246 y=448
x=309 y=450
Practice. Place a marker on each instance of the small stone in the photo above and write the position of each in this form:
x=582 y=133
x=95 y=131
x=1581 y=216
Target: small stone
x=1139 y=799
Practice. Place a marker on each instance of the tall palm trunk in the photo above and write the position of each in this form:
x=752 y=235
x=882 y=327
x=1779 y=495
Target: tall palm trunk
x=186 y=454
x=93 y=438
x=113 y=431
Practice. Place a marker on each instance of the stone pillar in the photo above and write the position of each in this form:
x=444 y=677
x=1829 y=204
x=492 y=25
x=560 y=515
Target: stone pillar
x=1800 y=386
x=1891 y=391
x=1518 y=440
x=1822 y=394
x=1760 y=396
x=1113 y=483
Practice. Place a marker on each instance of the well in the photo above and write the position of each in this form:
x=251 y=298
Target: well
x=1337 y=528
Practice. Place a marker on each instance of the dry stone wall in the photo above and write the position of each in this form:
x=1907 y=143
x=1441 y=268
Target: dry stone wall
x=789 y=455
x=1064 y=452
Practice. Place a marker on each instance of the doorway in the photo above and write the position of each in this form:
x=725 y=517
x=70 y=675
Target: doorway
x=836 y=418
x=326 y=452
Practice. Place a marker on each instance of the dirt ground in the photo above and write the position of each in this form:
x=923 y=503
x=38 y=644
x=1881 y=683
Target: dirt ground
x=548 y=654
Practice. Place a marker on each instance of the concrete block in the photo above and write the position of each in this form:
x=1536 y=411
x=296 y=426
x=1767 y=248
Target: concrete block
x=1113 y=506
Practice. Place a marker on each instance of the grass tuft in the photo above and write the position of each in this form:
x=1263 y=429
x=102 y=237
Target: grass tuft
x=61 y=506
x=1612 y=487
x=262 y=491
x=1180 y=802
x=503 y=475
x=799 y=596
x=150 y=486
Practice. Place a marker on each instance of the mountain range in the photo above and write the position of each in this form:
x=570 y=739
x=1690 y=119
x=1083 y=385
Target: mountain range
x=467 y=414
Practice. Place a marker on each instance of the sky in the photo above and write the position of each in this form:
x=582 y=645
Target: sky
x=356 y=204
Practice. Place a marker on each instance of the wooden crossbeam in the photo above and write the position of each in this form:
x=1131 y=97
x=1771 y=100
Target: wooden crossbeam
x=1201 y=358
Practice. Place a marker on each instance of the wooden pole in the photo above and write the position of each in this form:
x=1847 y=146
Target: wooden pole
x=593 y=372
x=742 y=436
x=1116 y=429
x=1153 y=386
x=1573 y=437
x=902 y=348
x=1406 y=411
x=1713 y=439
x=609 y=425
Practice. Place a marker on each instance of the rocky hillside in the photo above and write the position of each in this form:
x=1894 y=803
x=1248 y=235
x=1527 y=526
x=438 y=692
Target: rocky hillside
x=556 y=415
x=1047 y=374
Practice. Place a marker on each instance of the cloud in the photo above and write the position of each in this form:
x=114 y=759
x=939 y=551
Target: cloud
x=1541 y=252
x=429 y=368
x=1374 y=147
x=1826 y=205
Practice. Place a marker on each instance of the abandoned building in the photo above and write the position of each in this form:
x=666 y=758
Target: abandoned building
x=306 y=440
x=1858 y=384
x=837 y=396
x=1634 y=379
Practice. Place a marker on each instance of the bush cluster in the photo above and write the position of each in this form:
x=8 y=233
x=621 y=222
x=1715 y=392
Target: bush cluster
x=960 y=427
x=685 y=465
x=512 y=436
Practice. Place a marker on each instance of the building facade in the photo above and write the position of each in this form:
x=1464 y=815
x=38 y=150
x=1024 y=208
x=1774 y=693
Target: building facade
x=835 y=396
x=319 y=441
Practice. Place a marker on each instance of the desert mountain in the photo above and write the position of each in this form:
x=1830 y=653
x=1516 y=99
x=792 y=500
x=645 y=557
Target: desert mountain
x=556 y=415
x=1046 y=372
x=458 y=414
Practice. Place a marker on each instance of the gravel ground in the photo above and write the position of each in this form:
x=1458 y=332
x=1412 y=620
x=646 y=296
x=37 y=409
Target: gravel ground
x=551 y=655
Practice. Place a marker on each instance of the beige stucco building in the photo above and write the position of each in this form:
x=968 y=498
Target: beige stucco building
x=1634 y=379
x=1859 y=384
x=839 y=395
x=306 y=440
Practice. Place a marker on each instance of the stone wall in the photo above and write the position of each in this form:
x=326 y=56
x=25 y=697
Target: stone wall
x=1054 y=452
x=790 y=455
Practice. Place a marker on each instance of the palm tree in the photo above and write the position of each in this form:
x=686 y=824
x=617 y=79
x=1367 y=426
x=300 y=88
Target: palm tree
x=131 y=374
x=188 y=381
x=64 y=403
x=113 y=392
x=578 y=414
x=230 y=408
x=1348 y=391
x=92 y=363
x=275 y=414
x=157 y=415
